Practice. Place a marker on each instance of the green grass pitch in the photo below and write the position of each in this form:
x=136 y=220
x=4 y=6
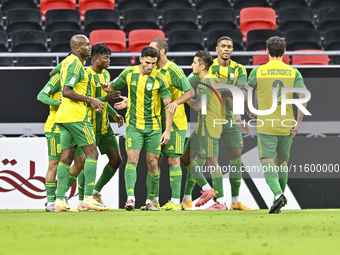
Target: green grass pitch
x=199 y=232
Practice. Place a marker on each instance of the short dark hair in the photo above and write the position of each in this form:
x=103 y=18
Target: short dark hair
x=224 y=38
x=205 y=58
x=161 y=44
x=100 y=49
x=276 y=46
x=149 y=52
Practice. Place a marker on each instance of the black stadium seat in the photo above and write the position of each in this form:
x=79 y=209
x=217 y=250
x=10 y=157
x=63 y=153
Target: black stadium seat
x=134 y=5
x=61 y=20
x=60 y=40
x=286 y=4
x=208 y=4
x=296 y=18
x=140 y=19
x=101 y=19
x=30 y=41
x=8 y=5
x=300 y=39
x=215 y=19
x=173 y=4
x=1 y=21
x=332 y=42
x=325 y=4
x=329 y=19
x=256 y=39
x=4 y=48
x=179 y=19
x=240 y=4
x=23 y=20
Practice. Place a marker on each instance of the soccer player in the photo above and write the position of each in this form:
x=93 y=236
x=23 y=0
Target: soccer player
x=146 y=88
x=50 y=95
x=202 y=146
x=233 y=73
x=75 y=129
x=273 y=139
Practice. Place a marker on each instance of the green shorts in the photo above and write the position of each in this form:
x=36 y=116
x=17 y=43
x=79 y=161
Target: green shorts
x=205 y=146
x=76 y=134
x=274 y=146
x=232 y=138
x=174 y=148
x=107 y=142
x=135 y=139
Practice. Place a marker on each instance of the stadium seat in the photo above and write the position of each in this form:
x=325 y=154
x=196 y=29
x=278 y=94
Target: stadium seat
x=256 y=39
x=310 y=59
x=46 y=5
x=30 y=41
x=140 y=19
x=261 y=60
x=208 y=4
x=134 y=5
x=185 y=40
x=328 y=19
x=240 y=4
x=216 y=19
x=4 y=48
x=286 y=4
x=165 y=5
x=179 y=19
x=300 y=39
x=140 y=38
x=101 y=19
x=332 y=42
x=85 y=5
x=8 y=5
x=1 y=21
x=256 y=18
x=237 y=38
x=325 y=4
x=60 y=40
x=114 y=39
x=23 y=20
x=61 y=20
x=296 y=18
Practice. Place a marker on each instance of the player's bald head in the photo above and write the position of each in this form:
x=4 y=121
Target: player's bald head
x=77 y=41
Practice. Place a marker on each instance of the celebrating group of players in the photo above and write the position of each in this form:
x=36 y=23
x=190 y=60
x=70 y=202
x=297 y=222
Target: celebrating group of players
x=156 y=119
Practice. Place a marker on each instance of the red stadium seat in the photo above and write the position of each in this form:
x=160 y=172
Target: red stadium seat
x=261 y=60
x=46 y=5
x=140 y=38
x=256 y=18
x=85 y=5
x=310 y=59
x=114 y=39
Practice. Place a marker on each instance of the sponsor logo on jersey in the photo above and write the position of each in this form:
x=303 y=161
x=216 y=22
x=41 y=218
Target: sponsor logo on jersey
x=149 y=86
x=171 y=148
x=159 y=148
x=203 y=151
x=130 y=190
x=134 y=83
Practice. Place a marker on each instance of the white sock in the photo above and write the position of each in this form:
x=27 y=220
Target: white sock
x=187 y=198
x=156 y=200
x=131 y=197
x=80 y=202
x=176 y=201
x=220 y=200
x=95 y=192
x=50 y=203
x=148 y=201
x=61 y=199
x=206 y=187
x=234 y=200
x=278 y=196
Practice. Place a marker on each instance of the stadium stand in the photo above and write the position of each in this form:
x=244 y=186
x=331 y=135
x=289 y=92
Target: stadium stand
x=332 y=42
x=165 y=5
x=296 y=18
x=23 y=20
x=256 y=18
x=4 y=48
x=256 y=39
x=322 y=4
x=240 y=4
x=46 y=5
x=101 y=19
x=300 y=39
x=310 y=59
x=8 y=5
x=1 y=21
x=61 y=20
x=178 y=19
x=261 y=60
x=207 y=4
x=30 y=41
x=140 y=19
x=85 y=5
x=60 y=40
x=126 y=5
x=328 y=19
x=284 y=4
x=215 y=19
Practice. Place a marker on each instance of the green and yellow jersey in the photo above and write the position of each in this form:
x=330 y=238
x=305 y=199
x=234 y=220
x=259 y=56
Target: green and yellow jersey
x=50 y=95
x=178 y=84
x=144 y=97
x=274 y=74
x=73 y=74
x=234 y=74
x=214 y=109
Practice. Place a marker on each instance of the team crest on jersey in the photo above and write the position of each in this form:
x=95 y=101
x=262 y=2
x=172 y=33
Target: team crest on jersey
x=149 y=86
x=47 y=90
x=232 y=76
x=106 y=80
x=73 y=80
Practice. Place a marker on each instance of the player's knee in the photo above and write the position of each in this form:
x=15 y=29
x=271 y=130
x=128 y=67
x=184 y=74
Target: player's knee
x=115 y=162
x=174 y=162
x=184 y=160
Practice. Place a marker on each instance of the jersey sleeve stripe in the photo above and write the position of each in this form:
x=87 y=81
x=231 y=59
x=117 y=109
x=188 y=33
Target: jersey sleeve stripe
x=176 y=70
x=55 y=79
x=160 y=76
x=77 y=69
